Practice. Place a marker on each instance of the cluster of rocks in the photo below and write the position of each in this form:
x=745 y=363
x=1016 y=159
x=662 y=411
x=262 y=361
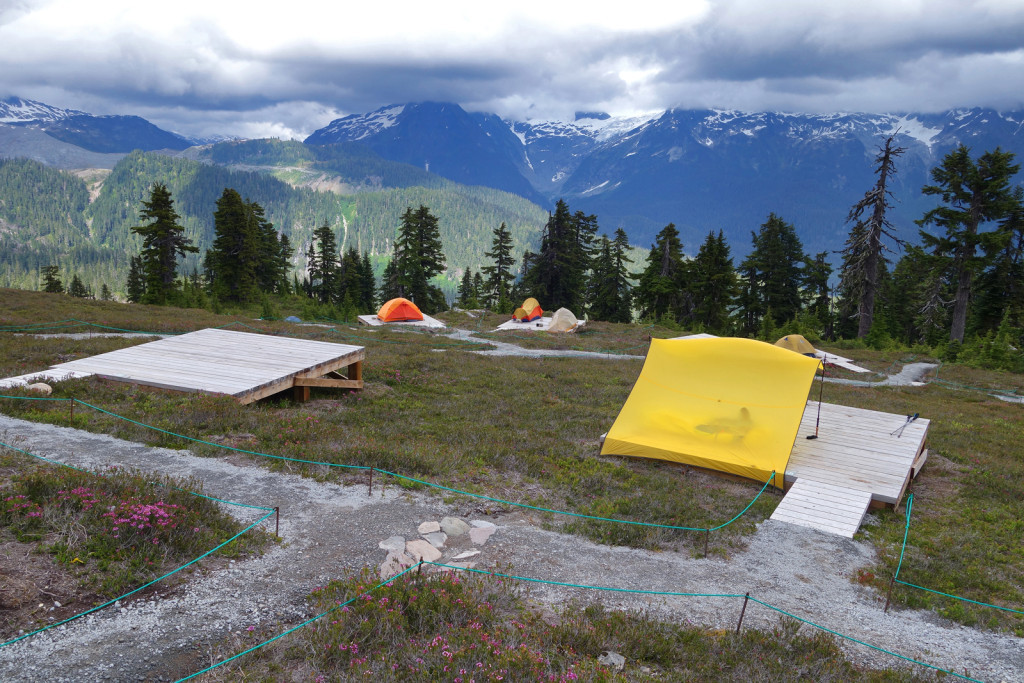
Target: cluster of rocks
x=451 y=542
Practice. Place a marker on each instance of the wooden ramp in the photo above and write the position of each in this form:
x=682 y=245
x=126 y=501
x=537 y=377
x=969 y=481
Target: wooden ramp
x=834 y=509
x=240 y=364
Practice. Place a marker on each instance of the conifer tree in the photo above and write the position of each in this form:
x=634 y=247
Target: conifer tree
x=500 y=278
x=77 y=288
x=863 y=254
x=610 y=291
x=368 y=286
x=324 y=267
x=233 y=260
x=163 y=241
x=1000 y=287
x=659 y=292
x=817 y=272
x=51 y=280
x=105 y=294
x=973 y=193
x=418 y=256
x=135 y=288
x=556 y=275
x=773 y=272
x=713 y=284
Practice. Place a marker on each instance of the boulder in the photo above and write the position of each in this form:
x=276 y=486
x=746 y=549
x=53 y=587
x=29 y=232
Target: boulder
x=421 y=550
x=428 y=528
x=453 y=526
x=41 y=388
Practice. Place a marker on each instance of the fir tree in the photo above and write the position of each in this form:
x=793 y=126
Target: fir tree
x=418 y=257
x=77 y=288
x=500 y=278
x=105 y=294
x=713 y=284
x=973 y=192
x=163 y=241
x=135 y=288
x=51 y=280
x=659 y=292
x=322 y=258
x=368 y=286
x=1000 y=287
x=863 y=254
x=816 y=274
x=610 y=290
x=233 y=260
x=556 y=275
x=773 y=272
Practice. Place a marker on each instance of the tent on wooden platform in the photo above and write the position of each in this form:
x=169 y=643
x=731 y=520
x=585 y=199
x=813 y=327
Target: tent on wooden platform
x=529 y=311
x=797 y=343
x=399 y=310
x=726 y=404
x=563 y=321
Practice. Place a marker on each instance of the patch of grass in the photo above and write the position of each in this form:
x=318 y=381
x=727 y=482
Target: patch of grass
x=471 y=627
x=112 y=532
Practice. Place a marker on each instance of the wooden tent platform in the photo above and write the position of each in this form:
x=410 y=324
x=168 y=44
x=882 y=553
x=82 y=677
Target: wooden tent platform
x=855 y=462
x=240 y=364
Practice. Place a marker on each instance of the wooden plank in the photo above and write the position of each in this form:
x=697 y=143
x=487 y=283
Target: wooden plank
x=919 y=462
x=819 y=505
x=328 y=382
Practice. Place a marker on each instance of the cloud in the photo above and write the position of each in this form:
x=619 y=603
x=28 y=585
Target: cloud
x=207 y=64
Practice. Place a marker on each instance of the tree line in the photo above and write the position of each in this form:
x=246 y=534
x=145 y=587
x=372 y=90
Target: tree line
x=965 y=281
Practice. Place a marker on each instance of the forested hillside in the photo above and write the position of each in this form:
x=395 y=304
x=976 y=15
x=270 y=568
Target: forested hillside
x=46 y=216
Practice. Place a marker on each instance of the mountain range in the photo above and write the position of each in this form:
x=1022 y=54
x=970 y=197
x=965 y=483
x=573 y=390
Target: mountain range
x=700 y=169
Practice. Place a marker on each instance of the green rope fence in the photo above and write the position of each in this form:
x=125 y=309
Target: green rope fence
x=270 y=511
x=421 y=482
x=899 y=567
x=563 y=584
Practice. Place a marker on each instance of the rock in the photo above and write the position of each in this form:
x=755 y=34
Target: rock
x=468 y=553
x=454 y=566
x=392 y=543
x=481 y=524
x=613 y=660
x=436 y=538
x=428 y=527
x=453 y=526
x=422 y=550
x=480 y=535
x=396 y=563
x=40 y=388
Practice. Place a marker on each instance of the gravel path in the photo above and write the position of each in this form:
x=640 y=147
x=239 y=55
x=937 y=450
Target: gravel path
x=331 y=531
x=909 y=376
x=506 y=349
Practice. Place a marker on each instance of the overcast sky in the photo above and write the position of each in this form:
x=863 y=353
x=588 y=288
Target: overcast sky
x=202 y=67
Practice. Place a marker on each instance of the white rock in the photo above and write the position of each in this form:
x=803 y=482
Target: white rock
x=392 y=543
x=480 y=535
x=481 y=524
x=421 y=550
x=436 y=538
x=468 y=553
x=428 y=527
x=40 y=388
x=453 y=526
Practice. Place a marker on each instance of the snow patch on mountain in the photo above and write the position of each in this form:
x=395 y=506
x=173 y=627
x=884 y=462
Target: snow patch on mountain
x=912 y=127
x=359 y=126
x=18 y=110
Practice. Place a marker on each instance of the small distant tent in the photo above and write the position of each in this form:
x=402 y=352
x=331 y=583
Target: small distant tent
x=797 y=343
x=399 y=310
x=727 y=404
x=563 y=321
x=529 y=311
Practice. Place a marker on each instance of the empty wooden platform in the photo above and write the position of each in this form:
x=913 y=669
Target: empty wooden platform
x=240 y=364
x=856 y=454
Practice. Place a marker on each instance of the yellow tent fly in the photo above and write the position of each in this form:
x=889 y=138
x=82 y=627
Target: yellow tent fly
x=727 y=404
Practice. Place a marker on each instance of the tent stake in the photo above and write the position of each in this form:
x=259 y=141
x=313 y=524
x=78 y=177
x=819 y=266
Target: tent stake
x=277 y=522
x=72 y=411
x=707 y=534
x=369 y=484
x=888 y=595
x=742 y=612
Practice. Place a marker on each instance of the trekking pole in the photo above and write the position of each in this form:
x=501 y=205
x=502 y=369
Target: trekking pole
x=899 y=432
x=821 y=387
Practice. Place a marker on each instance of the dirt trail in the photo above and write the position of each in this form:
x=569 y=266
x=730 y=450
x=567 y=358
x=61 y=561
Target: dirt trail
x=331 y=531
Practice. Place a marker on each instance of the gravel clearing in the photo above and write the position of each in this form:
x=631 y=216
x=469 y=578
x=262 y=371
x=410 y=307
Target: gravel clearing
x=331 y=531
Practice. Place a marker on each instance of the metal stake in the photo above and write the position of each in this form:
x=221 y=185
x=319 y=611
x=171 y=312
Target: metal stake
x=369 y=484
x=277 y=522
x=888 y=595
x=743 y=611
x=72 y=411
x=707 y=534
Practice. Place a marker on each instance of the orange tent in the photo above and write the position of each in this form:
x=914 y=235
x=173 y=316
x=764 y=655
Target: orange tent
x=399 y=310
x=529 y=311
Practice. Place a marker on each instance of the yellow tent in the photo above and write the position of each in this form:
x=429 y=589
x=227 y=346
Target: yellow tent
x=796 y=342
x=727 y=404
